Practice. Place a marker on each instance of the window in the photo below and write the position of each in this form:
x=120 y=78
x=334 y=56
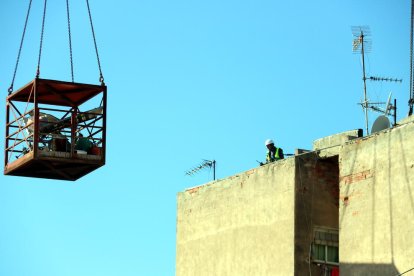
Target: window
x=325 y=247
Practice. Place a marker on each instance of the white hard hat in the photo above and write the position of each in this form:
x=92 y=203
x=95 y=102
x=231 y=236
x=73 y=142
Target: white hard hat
x=268 y=142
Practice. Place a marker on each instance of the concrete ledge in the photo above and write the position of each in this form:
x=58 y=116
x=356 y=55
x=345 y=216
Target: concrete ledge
x=406 y=120
x=336 y=139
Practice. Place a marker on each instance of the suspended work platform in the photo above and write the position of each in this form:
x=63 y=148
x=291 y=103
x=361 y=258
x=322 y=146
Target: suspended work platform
x=55 y=130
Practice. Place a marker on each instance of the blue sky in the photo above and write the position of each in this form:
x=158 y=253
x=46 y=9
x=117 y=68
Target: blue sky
x=187 y=80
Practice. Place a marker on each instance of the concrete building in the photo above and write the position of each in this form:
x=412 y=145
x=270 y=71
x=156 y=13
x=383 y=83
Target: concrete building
x=376 y=214
x=348 y=203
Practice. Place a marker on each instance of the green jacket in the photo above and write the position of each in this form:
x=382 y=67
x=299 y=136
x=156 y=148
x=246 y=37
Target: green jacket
x=274 y=156
x=83 y=144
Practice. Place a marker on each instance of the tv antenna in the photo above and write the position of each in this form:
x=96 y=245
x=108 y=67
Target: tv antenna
x=205 y=164
x=361 y=44
x=388 y=108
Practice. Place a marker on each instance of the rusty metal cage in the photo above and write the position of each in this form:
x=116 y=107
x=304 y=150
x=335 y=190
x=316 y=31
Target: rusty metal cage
x=55 y=130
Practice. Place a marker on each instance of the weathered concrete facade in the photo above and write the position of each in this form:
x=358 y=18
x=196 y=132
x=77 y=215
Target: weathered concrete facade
x=377 y=203
x=263 y=221
x=242 y=225
x=259 y=222
x=316 y=204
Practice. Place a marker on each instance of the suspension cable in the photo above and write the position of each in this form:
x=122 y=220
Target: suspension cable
x=10 y=90
x=70 y=41
x=41 y=40
x=101 y=78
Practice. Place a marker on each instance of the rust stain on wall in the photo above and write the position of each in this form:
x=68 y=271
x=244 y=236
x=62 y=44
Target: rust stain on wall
x=356 y=177
x=193 y=190
x=252 y=171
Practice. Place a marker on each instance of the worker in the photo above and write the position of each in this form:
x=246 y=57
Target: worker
x=83 y=144
x=273 y=153
x=59 y=142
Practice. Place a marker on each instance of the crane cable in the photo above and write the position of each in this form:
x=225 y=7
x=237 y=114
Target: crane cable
x=411 y=100
x=70 y=41
x=41 y=40
x=10 y=90
x=101 y=78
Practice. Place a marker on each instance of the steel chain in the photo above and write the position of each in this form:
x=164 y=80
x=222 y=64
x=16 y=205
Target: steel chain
x=70 y=41
x=41 y=40
x=10 y=90
x=101 y=78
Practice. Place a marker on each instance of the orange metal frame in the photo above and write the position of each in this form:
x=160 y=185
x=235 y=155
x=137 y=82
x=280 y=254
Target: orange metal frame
x=25 y=153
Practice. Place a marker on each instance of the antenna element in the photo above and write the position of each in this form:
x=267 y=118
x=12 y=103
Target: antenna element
x=205 y=164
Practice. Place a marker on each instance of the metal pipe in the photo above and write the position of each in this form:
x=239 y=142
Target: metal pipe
x=214 y=169
x=73 y=129
x=395 y=112
x=36 y=118
x=104 y=105
x=6 y=142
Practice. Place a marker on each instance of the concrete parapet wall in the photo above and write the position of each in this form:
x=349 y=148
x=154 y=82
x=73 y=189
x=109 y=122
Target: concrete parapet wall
x=376 y=216
x=241 y=225
x=334 y=141
x=406 y=120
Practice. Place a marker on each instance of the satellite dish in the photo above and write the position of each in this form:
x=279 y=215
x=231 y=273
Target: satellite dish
x=381 y=123
x=388 y=105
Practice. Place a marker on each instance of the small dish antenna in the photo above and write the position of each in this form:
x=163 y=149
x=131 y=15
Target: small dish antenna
x=388 y=106
x=381 y=123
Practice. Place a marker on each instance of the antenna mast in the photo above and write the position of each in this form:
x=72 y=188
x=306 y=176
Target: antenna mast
x=360 y=44
x=360 y=33
x=411 y=100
